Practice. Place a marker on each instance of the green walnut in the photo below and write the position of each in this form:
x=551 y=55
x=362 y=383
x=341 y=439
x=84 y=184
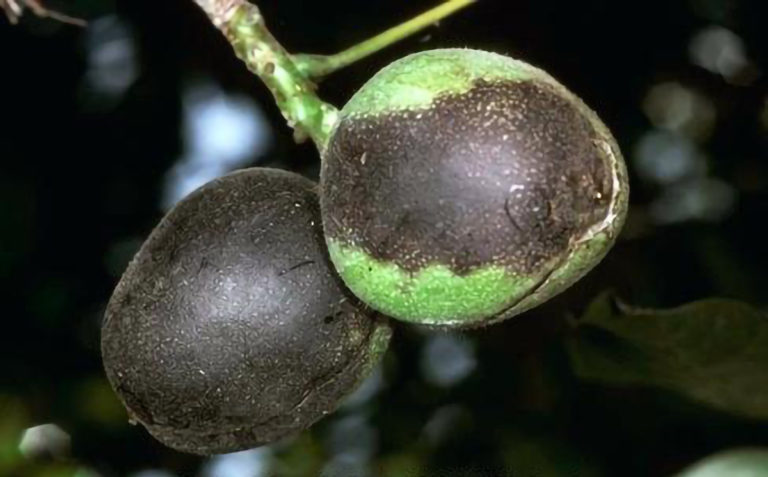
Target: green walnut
x=230 y=329
x=461 y=187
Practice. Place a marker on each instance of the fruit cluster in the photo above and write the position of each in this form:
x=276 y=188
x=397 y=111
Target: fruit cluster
x=458 y=188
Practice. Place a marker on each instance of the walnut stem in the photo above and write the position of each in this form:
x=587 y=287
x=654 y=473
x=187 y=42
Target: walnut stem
x=242 y=24
x=290 y=77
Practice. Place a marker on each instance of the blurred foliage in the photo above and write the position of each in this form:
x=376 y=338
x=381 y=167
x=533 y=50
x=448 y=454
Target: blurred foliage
x=735 y=463
x=713 y=351
x=15 y=420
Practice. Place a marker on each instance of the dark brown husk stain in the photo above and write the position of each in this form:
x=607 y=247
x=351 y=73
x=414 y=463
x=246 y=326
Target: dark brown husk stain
x=506 y=174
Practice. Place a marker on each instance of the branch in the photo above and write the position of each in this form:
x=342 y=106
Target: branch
x=289 y=77
x=318 y=66
x=14 y=9
x=244 y=27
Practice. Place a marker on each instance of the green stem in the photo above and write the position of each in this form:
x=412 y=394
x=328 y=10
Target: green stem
x=294 y=93
x=242 y=24
x=319 y=66
x=288 y=77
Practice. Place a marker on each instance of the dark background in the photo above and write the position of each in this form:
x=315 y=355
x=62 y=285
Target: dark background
x=84 y=172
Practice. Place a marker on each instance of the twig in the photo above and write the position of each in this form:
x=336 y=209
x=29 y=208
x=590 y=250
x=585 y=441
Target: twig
x=244 y=27
x=319 y=66
x=14 y=9
x=290 y=77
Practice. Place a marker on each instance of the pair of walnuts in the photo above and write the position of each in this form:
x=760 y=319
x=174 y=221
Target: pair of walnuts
x=459 y=188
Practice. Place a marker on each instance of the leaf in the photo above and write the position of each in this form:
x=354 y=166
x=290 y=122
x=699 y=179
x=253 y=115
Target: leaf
x=735 y=463
x=713 y=351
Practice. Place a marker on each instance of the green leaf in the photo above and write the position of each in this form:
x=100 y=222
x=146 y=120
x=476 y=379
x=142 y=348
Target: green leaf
x=534 y=455
x=713 y=351
x=735 y=463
